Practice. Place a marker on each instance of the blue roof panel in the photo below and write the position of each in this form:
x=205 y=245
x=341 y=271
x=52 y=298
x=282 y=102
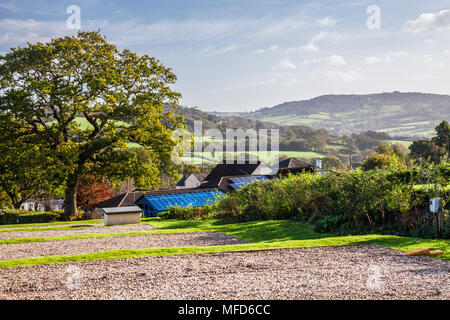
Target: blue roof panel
x=163 y=202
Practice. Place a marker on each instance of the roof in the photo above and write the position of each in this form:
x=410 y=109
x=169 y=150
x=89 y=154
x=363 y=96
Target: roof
x=233 y=169
x=200 y=177
x=293 y=163
x=122 y=210
x=225 y=184
x=122 y=200
x=162 y=202
x=173 y=191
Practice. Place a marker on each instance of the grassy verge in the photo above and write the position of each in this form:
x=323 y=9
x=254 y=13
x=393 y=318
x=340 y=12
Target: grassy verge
x=262 y=235
x=386 y=241
x=257 y=231
x=48 y=229
x=49 y=223
x=93 y=235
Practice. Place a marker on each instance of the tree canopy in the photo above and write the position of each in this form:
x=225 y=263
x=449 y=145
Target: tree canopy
x=81 y=101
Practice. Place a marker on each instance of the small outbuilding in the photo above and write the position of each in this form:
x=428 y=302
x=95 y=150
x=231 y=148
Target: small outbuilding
x=122 y=215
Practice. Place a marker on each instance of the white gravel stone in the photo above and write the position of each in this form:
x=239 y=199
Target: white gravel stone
x=350 y=272
x=79 y=246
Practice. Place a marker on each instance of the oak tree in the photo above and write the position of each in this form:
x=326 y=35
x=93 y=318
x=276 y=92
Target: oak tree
x=84 y=101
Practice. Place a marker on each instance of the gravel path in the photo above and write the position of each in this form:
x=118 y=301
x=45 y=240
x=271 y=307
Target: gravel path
x=55 y=233
x=78 y=246
x=350 y=272
x=97 y=224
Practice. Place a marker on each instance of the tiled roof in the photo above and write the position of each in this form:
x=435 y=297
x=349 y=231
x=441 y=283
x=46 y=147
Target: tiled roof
x=293 y=163
x=122 y=200
x=233 y=169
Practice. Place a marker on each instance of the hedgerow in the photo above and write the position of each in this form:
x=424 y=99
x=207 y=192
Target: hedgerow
x=15 y=216
x=385 y=201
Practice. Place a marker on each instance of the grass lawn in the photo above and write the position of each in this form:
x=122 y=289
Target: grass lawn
x=261 y=235
x=49 y=223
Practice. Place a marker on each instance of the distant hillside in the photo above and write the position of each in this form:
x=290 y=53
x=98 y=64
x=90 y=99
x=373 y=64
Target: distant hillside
x=234 y=122
x=399 y=114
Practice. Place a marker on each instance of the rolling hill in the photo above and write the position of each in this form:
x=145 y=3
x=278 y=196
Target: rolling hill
x=398 y=114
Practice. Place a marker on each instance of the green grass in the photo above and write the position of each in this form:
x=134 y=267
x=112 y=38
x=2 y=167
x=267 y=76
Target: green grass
x=402 y=142
x=47 y=229
x=49 y=223
x=262 y=235
x=93 y=235
x=385 y=241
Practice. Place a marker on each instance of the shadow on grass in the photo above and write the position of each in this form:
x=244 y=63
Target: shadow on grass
x=406 y=243
x=254 y=231
x=80 y=226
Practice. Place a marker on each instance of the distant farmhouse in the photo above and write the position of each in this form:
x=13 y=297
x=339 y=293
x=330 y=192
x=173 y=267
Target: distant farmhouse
x=42 y=205
x=199 y=189
x=192 y=180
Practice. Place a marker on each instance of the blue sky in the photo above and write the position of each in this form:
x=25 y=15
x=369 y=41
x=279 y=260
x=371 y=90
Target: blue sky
x=232 y=55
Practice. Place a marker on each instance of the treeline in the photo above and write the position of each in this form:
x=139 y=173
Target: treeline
x=435 y=150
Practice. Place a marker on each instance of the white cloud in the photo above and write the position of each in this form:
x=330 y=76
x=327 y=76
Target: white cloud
x=132 y=32
x=321 y=35
x=212 y=50
x=259 y=51
x=9 y=5
x=436 y=21
x=388 y=57
x=310 y=47
x=333 y=60
x=372 y=60
x=421 y=77
x=284 y=64
x=327 y=22
x=344 y=76
x=273 y=47
x=429 y=59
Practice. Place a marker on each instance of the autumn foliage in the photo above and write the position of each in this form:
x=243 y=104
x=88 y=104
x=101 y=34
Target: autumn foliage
x=90 y=191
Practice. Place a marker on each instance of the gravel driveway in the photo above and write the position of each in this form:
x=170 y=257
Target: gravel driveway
x=56 y=233
x=78 y=246
x=350 y=272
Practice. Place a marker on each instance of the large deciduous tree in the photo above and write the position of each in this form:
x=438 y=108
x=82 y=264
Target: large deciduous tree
x=83 y=100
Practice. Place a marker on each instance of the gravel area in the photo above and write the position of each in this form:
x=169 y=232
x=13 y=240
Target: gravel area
x=78 y=246
x=67 y=232
x=97 y=224
x=350 y=272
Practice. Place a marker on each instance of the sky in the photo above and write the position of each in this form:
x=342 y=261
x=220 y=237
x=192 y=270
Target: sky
x=242 y=55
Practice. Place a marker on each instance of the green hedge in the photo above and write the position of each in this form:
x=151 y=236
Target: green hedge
x=358 y=202
x=188 y=213
x=23 y=216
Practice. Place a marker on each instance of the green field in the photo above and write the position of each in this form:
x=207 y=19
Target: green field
x=402 y=142
x=267 y=157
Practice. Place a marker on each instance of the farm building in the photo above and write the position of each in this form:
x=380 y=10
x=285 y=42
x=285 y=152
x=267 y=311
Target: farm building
x=238 y=169
x=293 y=166
x=197 y=190
x=122 y=200
x=192 y=180
x=156 y=202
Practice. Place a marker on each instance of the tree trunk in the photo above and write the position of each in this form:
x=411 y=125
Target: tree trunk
x=70 y=200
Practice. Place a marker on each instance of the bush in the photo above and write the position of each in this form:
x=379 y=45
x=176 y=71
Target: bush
x=188 y=213
x=23 y=216
x=383 y=201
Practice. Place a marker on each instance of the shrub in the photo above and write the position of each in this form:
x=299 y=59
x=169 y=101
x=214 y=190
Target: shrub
x=22 y=216
x=383 y=201
x=187 y=213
